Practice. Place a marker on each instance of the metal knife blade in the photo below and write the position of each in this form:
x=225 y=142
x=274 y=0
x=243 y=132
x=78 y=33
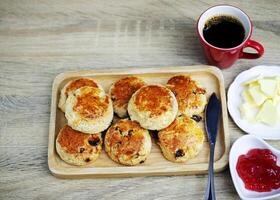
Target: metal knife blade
x=213 y=110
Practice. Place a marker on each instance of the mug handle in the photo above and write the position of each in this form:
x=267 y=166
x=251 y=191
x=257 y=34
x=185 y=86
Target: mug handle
x=255 y=45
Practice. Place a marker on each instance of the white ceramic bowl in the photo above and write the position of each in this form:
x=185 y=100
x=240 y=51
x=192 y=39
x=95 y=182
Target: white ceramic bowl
x=235 y=99
x=242 y=146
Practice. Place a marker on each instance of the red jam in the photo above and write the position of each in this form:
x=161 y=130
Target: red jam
x=259 y=171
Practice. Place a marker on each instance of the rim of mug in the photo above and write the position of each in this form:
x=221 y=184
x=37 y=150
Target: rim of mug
x=224 y=49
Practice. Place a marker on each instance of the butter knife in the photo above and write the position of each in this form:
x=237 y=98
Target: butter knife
x=213 y=110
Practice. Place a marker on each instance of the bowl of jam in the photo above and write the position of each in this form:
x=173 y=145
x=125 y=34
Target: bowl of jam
x=255 y=168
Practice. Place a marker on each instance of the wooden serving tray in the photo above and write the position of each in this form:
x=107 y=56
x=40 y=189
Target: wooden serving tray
x=208 y=77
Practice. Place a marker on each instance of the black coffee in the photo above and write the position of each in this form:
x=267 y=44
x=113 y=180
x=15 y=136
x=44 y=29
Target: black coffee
x=224 y=31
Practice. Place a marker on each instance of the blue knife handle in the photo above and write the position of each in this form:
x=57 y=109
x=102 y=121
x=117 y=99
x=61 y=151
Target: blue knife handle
x=210 y=191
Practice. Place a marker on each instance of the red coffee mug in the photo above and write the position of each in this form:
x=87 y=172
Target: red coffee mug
x=225 y=57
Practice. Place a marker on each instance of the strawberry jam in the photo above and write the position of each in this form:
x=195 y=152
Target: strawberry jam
x=259 y=171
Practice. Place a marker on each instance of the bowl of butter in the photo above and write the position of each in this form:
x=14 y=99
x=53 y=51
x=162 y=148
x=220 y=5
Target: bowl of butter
x=254 y=101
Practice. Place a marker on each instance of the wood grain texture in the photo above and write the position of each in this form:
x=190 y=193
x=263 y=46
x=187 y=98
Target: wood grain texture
x=39 y=39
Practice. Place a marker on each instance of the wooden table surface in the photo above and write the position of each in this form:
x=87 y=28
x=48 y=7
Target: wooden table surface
x=40 y=39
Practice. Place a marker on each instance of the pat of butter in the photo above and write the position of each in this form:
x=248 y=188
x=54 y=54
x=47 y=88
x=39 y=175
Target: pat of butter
x=247 y=112
x=278 y=85
x=268 y=113
x=252 y=81
x=248 y=98
x=268 y=86
x=276 y=100
x=257 y=95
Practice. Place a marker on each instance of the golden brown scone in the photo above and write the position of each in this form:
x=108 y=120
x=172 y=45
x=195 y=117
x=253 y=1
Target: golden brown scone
x=77 y=148
x=153 y=106
x=89 y=110
x=127 y=143
x=182 y=140
x=121 y=91
x=73 y=85
x=190 y=97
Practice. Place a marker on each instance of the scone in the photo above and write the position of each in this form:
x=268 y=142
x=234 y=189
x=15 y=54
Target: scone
x=127 y=143
x=182 y=140
x=89 y=110
x=191 y=98
x=153 y=106
x=71 y=86
x=77 y=148
x=121 y=91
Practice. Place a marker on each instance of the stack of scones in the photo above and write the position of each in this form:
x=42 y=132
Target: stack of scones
x=172 y=112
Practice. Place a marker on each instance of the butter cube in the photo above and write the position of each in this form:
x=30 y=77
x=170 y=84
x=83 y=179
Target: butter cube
x=248 y=98
x=268 y=113
x=268 y=86
x=252 y=81
x=257 y=95
x=247 y=112
x=278 y=85
x=276 y=99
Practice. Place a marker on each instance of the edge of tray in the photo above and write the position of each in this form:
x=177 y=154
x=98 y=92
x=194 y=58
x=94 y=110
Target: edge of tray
x=219 y=165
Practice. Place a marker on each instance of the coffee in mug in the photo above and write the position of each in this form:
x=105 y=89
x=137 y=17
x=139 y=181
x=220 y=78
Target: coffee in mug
x=224 y=31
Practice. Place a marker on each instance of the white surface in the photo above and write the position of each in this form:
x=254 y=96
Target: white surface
x=248 y=142
x=235 y=100
x=225 y=10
